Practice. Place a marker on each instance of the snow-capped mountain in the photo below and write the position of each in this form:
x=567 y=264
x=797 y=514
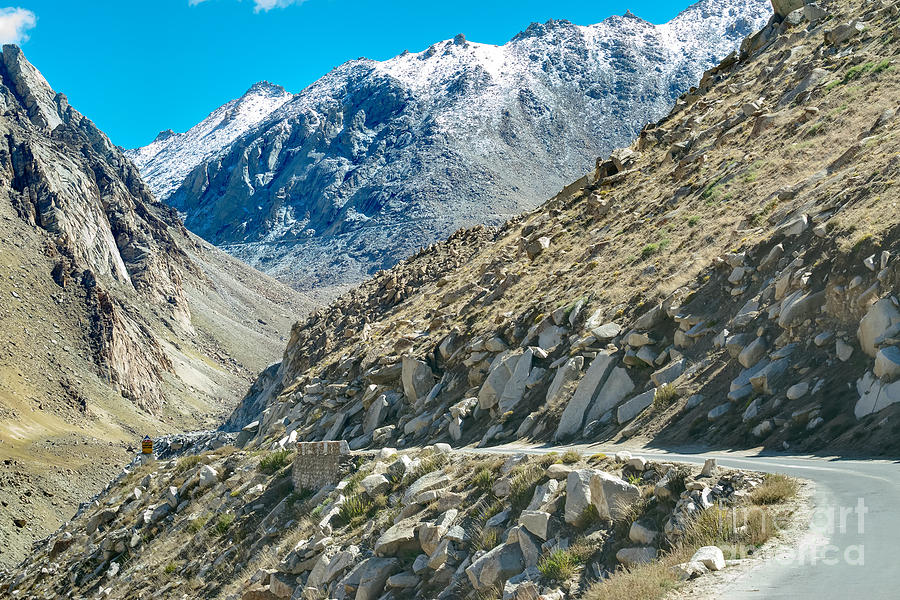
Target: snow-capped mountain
x=166 y=161
x=378 y=158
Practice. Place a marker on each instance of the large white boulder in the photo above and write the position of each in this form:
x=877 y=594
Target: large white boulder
x=206 y=477
x=881 y=316
x=611 y=495
x=573 y=415
x=578 y=495
x=711 y=557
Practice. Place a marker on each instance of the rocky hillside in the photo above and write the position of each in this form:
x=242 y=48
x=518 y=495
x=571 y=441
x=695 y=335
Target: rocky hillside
x=378 y=159
x=115 y=321
x=429 y=524
x=729 y=278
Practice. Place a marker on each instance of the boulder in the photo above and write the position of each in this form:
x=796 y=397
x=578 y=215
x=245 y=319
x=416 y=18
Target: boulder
x=573 y=415
x=880 y=317
x=887 y=363
x=635 y=406
x=566 y=372
x=515 y=385
x=405 y=580
x=785 y=7
x=529 y=544
x=843 y=350
x=844 y=32
x=439 y=555
x=641 y=534
x=399 y=537
x=206 y=477
x=633 y=557
x=578 y=495
x=752 y=354
x=615 y=389
x=611 y=495
x=799 y=306
x=431 y=534
x=429 y=481
x=669 y=373
x=376 y=414
x=874 y=395
x=416 y=377
x=797 y=391
x=718 y=411
x=375 y=484
x=370 y=576
x=536 y=247
x=543 y=493
x=711 y=557
x=536 y=521
x=501 y=370
x=651 y=318
x=559 y=471
x=495 y=567
x=689 y=570
x=606 y=331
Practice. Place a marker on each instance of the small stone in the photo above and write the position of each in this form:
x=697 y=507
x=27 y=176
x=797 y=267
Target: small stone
x=797 y=391
x=844 y=350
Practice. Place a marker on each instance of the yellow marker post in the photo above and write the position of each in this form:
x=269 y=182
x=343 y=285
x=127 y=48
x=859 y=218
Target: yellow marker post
x=147 y=445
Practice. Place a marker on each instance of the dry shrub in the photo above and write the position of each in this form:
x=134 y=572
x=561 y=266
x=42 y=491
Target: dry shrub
x=652 y=581
x=775 y=489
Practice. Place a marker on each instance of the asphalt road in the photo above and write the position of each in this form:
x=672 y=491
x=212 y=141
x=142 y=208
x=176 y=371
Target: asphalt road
x=851 y=549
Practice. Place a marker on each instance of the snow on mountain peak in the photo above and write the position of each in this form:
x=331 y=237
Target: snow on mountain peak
x=377 y=158
x=167 y=160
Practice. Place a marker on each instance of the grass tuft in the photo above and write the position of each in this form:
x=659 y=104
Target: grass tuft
x=775 y=489
x=275 y=461
x=571 y=457
x=223 y=523
x=665 y=395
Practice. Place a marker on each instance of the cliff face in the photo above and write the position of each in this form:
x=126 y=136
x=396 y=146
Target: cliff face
x=115 y=320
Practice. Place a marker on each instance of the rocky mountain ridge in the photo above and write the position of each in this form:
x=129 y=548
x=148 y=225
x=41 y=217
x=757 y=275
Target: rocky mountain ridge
x=115 y=321
x=377 y=159
x=167 y=160
x=729 y=278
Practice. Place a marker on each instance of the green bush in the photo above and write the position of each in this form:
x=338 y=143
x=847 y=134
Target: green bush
x=354 y=509
x=198 y=523
x=559 y=565
x=275 y=461
x=664 y=397
x=223 y=523
x=483 y=480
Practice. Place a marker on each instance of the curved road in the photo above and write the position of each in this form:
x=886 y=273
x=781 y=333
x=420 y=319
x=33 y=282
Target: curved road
x=852 y=546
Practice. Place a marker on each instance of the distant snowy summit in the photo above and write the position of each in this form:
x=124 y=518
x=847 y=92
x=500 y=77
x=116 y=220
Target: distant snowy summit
x=378 y=158
x=166 y=161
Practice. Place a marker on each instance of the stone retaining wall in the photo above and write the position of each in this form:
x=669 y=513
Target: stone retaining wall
x=318 y=463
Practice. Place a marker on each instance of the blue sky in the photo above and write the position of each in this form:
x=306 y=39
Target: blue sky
x=136 y=67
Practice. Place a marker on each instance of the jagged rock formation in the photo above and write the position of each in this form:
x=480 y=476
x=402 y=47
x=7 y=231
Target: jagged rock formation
x=731 y=277
x=378 y=159
x=114 y=317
